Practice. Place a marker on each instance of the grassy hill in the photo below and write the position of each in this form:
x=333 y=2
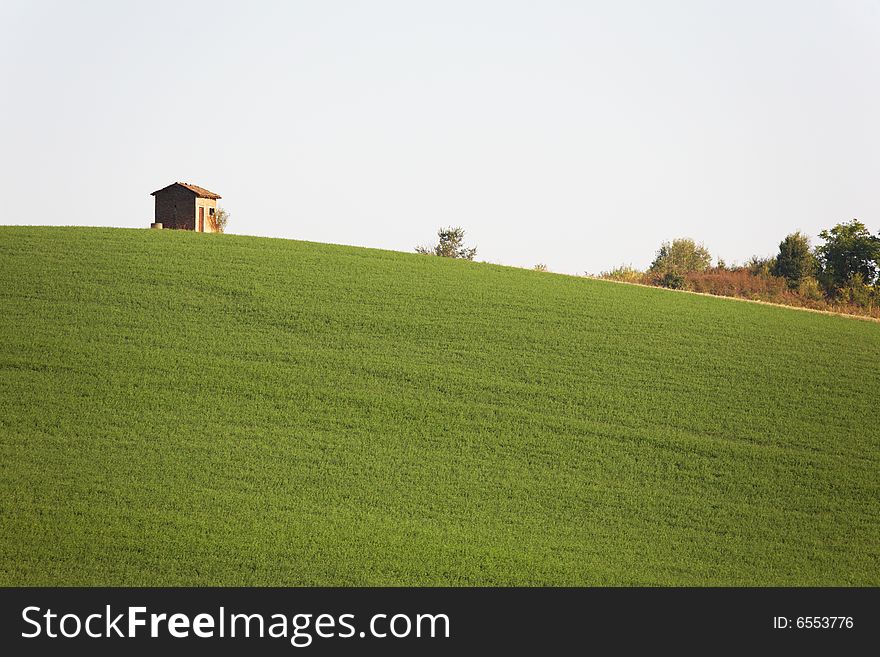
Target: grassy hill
x=178 y=408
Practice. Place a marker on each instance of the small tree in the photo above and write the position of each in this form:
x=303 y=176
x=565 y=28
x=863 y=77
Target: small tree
x=679 y=257
x=451 y=245
x=849 y=249
x=220 y=219
x=795 y=261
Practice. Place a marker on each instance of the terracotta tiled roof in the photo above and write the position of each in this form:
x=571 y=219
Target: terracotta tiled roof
x=199 y=191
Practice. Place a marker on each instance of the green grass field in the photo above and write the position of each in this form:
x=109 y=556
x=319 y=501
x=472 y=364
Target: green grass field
x=186 y=409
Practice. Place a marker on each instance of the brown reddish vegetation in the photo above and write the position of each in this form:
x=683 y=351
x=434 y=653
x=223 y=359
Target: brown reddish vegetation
x=743 y=284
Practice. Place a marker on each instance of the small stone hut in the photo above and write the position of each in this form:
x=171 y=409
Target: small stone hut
x=185 y=207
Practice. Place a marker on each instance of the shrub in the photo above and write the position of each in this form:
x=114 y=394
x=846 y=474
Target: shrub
x=761 y=266
x=220 y=219
x=451 y=245
x=810 y=289
x=856 y=292
x=680 y=256
x=673 y=280
x=625 y=273
x=540 y=267
x=739 y=283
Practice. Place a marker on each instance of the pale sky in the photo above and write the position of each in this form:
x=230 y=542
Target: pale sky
x=578 y=134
